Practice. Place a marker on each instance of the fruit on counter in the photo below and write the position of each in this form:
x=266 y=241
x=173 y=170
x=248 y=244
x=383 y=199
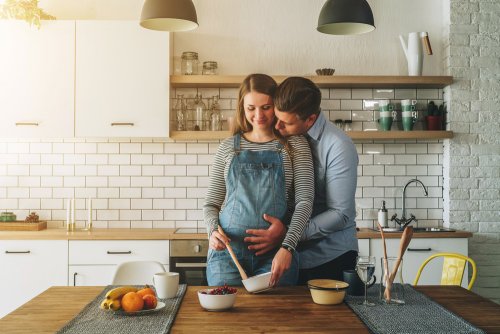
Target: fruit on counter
x=120 y=292
x=132 y=302
x=146 y=291
x=150 y=302
x=32 y=218
x=223 y=290
x=115 y=304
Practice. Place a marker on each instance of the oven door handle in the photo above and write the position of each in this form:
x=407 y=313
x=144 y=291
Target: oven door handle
x=190 y=265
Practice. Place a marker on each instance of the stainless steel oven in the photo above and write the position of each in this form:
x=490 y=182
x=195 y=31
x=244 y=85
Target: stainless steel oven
x=189 y=259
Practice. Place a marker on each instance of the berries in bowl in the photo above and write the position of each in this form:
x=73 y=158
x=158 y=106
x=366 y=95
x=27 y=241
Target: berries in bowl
x=217 y=299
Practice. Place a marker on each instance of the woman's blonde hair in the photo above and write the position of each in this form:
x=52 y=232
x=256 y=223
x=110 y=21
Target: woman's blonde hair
x=259 y=83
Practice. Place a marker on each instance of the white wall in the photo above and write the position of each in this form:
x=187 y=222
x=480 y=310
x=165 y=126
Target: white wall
x=280 y=37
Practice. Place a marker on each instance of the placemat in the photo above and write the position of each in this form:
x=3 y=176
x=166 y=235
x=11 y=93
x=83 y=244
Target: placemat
x=418 y=315
x=94 y=320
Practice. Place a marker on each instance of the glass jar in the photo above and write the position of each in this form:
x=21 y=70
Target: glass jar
x=181 y=113
x=347 y=125
x=339 y=123
x=189 y=63
x=216 y=117
x=199 y=114
x=209 y=68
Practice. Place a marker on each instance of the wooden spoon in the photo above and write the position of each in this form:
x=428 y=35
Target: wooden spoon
x=387 y=292
x=233 y=256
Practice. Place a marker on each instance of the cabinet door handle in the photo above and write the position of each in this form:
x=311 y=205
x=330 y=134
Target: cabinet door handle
x=74 y=278
x=127 y=252
x=27 y=123
x=419 y=249
x=122 y=124
x=17 y=252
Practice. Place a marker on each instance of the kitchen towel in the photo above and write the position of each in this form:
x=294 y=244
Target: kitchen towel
x=419 y=315
x=92 y=319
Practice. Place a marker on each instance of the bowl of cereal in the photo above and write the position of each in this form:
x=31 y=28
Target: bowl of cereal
x=217 y=299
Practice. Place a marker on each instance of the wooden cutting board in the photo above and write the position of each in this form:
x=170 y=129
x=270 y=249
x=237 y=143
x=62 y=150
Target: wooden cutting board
x=22 y=226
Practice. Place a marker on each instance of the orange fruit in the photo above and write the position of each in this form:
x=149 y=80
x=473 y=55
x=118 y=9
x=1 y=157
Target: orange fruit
x=150 y=302
x=132 y=302
x=146 y=291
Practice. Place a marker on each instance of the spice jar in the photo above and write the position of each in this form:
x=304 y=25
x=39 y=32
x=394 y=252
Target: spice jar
x=189 y=63
x=209 y=68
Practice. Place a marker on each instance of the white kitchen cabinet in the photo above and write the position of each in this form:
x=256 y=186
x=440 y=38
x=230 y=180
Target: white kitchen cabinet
x=37 y=79
x=364 y=247
x=93 y=262
x=418 y=250
x=28 y=267
x=122 y=80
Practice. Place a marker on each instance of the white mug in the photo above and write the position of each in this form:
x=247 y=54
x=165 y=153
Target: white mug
x=166 y=284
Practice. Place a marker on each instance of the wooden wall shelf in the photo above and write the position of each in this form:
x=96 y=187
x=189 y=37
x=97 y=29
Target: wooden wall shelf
x=335 y=81
x=355 y=135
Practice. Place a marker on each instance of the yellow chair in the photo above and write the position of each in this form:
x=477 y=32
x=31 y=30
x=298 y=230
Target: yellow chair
x=453 y=269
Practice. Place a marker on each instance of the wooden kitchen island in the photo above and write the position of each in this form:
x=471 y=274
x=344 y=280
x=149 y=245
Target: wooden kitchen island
x=283 y=310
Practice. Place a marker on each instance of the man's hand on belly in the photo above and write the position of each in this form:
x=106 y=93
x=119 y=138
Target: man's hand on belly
x=265 y=240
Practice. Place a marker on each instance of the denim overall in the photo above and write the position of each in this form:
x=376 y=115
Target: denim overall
x=255 y=185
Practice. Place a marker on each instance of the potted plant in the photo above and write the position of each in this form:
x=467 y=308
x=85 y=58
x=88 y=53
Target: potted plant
x=435 y=116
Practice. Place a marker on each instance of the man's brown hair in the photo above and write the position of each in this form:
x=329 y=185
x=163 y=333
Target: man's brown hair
x=299 y=96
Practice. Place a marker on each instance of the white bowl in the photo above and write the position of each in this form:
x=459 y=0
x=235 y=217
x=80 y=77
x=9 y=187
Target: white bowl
x=257 y=283
x=216 y=302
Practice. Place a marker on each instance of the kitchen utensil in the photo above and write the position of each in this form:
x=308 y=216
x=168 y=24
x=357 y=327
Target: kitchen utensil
x=327 y=291
x=403 y=244
x=385 y=276
x=325 y=71
x=414 y=53
x=394 y=293
x=233 y=256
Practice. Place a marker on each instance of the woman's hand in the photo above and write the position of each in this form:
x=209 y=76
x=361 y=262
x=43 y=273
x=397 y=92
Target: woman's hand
x=217 y=241
x=281 y=263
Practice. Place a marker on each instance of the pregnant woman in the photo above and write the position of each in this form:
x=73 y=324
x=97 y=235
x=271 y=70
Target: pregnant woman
x=257 y=172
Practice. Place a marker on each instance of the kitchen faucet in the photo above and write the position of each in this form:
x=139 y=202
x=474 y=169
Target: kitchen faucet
x=403 y=222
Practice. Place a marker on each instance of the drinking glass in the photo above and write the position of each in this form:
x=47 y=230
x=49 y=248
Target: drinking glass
x=365 y=267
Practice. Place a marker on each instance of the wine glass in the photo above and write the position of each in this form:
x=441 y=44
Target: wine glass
x=365 y=267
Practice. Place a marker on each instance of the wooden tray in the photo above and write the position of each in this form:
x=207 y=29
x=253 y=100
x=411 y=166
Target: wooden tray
x=22 y=226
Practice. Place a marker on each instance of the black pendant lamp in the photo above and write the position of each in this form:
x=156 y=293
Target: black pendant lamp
x=169 y=15
x=345 y=17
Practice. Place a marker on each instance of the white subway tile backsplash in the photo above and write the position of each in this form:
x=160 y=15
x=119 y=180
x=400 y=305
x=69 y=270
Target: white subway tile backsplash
x=340 y=93
x=130 y=192
x=186 y=159
x=163 y=159
x=181 y=181
x=158 y=182
x=119 y=159
x=152 y=170
x=141 y=181
x=128 y=170
x=105 y=193
x=40 y=192
x=141 y=203
x=119 y=204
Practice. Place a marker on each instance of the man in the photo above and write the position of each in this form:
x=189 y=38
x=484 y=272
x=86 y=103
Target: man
x=329 y=244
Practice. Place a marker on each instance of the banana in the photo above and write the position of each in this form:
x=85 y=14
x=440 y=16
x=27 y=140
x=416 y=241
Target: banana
x=115 y=305
x=105 y=304
x=119 y=292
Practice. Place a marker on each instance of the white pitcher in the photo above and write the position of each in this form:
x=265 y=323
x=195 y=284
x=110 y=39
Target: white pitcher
x=414 y=52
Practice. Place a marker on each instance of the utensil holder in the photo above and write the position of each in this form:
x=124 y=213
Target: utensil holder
x=396 y=287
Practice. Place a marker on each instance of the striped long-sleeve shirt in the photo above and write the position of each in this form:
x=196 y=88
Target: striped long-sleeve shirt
x=299 y=183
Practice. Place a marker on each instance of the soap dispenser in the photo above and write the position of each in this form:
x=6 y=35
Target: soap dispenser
x=382 y=216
